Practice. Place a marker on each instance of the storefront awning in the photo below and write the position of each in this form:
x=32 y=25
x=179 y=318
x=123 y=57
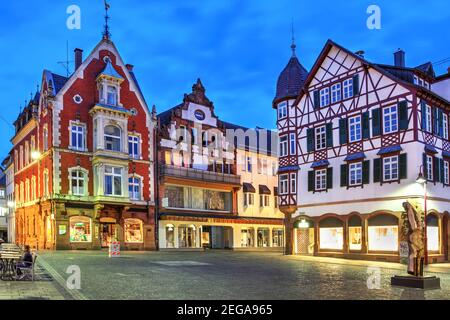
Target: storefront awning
x=248 y=188
x=263 y=189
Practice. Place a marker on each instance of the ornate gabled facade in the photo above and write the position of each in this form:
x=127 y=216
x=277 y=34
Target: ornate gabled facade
x=83 y=158
x=200 y=183
x=359 y=134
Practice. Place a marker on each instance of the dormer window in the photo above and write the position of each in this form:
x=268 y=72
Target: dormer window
x=112 y=138
x=111 y=97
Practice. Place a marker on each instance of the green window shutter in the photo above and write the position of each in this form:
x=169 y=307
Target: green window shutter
x=402 y=159
x=423 y=109
x=344 y=175
x=355 y=84
x=440 y=122
x=316 y=99
x=441 y=170
x=365 y=125
x=366 y=172
x=424 y=162
x=377 y=170
x=376 y=122
x=310 y=181
x=436 y=174
x=342 y=131
x=329 y=128
x=434 y=115
x=310 y=140
x=329 y=178
x=403 y=114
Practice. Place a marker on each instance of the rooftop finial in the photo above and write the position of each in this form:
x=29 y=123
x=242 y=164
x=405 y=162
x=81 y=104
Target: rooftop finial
x=106 y=33
x=293 y=45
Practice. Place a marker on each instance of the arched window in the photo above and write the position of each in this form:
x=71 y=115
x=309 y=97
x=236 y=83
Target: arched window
x=133 y=231
x=331 y=234
x=433 y=233
x=80 y=229
x=383 y=233
x=355 y=233
x=112 y=138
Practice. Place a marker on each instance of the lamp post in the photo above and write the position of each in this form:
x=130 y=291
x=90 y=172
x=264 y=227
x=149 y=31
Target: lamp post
x=423 y=181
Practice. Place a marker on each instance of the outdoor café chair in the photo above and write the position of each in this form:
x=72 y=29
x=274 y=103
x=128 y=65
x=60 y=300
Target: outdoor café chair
x=27 y=272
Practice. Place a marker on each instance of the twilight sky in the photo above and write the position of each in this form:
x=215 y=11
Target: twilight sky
x=237 y=47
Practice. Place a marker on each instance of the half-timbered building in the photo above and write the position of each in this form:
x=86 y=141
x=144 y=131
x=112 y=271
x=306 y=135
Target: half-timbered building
x=359 y=135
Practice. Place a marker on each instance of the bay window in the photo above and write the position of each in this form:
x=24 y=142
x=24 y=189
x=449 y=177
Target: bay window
x=293 y=183
x=355 y=128
x=112 y=138
x=134 y=188
x=283 y=146
x=390 y=168
x=113 y=181
x=292 y=143
x=284 y=184
x=390 y=119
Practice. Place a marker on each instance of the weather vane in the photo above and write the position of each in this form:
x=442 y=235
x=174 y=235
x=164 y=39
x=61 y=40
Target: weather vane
x=106 y=33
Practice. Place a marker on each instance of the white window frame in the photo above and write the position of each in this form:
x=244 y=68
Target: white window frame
x=105 y=135
x=282 y=110
x=320 y=137
x=292 y=144
x=336 y=94
x=390 y=119
x=391 y=169
x=249 y=199
x=284 y=145
x=133 y=184
x=76 y=190
x=324 y=97
x=428 y=119
x=115 y=94
x=113 y=175
x=355 y=128
x=347 y=88
x=320 y=180
x=134 y=139
x=80 y=130
x=445 y=126
x=429 y=168
x=446 y=172
x=293 y=183
x=284 y=184
x=355 y=174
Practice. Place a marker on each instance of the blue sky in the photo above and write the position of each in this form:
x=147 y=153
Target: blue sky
x=237 y=48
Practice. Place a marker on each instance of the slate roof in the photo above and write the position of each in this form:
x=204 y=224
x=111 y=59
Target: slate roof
x=291 y=79
x=110 y=71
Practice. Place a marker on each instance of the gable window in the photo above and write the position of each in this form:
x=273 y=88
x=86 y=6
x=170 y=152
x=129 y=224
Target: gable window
x=112 y=138
x=390 y=119
x=348 y=88
x=77 y=136
x=134 y=188
x=282 y=110
x=111 y=95
x=355 y=128
x=292 y=143
x=133 y=146
x=77 y=183
x=113 y=181
x=390 y=168
x=321 y=138
x=446 y=173
x=355 y=170
x=428 y=119
x=324 y=97
x=445 y=126
x=429 y=168
x=336 y=93
x=283 y=146
x=320 y=180
x=284 y=184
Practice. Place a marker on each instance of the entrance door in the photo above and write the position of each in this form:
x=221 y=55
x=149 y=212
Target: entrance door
x=206 y=237
x=109 y=233
x=305 y=241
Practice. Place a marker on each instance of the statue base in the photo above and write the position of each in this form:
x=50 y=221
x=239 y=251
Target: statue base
x=426 y=283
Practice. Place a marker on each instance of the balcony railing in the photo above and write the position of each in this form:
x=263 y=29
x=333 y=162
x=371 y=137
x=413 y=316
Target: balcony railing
x=200 y=175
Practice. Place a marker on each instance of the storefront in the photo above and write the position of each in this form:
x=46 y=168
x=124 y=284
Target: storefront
x=383 y=234
x=331 y=234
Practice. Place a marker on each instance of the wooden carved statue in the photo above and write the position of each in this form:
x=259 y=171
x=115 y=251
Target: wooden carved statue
x=415 y=237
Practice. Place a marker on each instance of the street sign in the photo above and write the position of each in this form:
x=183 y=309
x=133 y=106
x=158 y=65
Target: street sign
x=114 y=249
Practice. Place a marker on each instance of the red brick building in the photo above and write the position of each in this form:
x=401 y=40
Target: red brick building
x=83 y=158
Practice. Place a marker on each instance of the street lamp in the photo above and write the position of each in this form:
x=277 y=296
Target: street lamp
x=35 y=155
x=11 y=204
x=423 y=181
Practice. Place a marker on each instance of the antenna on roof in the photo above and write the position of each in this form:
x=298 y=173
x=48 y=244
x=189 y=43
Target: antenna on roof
x=293 y=45
x=66 y=64
x=106 y=33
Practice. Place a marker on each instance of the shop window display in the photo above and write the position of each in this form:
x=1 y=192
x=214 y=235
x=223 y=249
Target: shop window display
x=277 y=238
x=80 y=229
x=331 y=238
x=355 y=235
x=383 y=238
x=263 y=238
x=187 y=236
x=170 y=236
x=433 y=238
x=247 y=237
x=133 y=231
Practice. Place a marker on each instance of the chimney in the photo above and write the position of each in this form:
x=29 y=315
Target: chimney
x=78 y=58
x=360 y=53
x=399 y=58
x=130 y=67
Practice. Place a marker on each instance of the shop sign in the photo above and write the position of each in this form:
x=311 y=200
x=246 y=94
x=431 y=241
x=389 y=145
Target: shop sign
x=114 y=249
x=404 y=249
x=62 y=230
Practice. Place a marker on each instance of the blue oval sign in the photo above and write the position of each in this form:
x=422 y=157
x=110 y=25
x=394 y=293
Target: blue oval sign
x=199 y=114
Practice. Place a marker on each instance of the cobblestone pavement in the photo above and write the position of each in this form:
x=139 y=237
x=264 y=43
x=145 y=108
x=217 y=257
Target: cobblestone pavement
x=43 y=288
x=231 y=275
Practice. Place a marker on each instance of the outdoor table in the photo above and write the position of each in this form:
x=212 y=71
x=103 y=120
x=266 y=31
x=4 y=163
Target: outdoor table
x=9 y=260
